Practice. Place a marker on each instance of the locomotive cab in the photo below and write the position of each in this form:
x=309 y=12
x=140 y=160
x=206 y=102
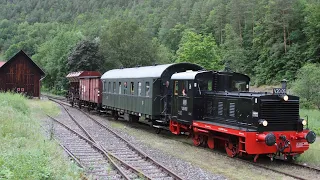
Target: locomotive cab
x=187 y=89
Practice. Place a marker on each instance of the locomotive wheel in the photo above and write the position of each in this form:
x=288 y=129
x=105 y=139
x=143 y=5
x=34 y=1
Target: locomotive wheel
x=231 y=149
x=199 y=140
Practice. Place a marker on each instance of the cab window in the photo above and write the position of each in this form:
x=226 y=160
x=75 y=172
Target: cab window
x=176 y=87
x=239 y=85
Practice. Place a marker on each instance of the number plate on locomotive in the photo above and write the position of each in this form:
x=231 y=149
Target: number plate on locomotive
x=301 y=144
x=279 y=91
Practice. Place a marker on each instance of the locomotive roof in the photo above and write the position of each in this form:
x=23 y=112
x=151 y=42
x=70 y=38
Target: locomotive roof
x=186 y=75
x=155 y=71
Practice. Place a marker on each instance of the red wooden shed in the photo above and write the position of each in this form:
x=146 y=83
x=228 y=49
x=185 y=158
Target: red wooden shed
x=20 y=74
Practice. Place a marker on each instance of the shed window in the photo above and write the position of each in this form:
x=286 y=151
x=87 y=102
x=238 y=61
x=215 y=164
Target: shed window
x=147 y=89
x=109 y=87
x=132 y=88
x=114 y=87
x=119 y=87
x=139 y=88
x=176 y=87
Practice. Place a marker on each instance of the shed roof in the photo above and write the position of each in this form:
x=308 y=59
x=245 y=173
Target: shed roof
x=27 y=57
x=2 y=63
x=186 y=75
x=155 y=71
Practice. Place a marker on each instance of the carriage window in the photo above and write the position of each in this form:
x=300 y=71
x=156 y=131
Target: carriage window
x=176 y=87
x=119 y=87
x=109 y=87
x=239 y=85
x=132 y=88
x=114 y=87
x=125 y=88
x=104 y=86
x=139 y=88
x=147 y=89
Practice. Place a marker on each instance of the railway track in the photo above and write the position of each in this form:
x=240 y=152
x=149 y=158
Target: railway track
x=118 y=148
x=87 y=154
x=277 y=170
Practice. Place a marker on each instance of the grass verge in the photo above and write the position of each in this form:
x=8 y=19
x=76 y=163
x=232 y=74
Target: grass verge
x=313 y=119
x=24 y=151
x=312 y=155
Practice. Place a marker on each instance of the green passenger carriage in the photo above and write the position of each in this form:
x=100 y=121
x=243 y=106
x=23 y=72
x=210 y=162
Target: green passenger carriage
x=142 y=91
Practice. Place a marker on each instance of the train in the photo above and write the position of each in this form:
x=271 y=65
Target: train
x=215 y=108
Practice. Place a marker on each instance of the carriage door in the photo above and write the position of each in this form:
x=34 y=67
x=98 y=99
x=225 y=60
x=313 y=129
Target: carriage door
x=175 y=98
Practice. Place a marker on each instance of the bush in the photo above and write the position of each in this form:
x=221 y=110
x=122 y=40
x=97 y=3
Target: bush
x=307 y=85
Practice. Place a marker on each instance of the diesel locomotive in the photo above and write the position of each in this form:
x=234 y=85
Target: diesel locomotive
x=215 y=108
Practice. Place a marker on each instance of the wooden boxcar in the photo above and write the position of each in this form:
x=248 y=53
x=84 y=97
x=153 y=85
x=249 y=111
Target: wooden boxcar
x=141 y=91
x=85 y=88
x=20 y=74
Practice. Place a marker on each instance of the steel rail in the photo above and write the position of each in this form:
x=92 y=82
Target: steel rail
x=66 y=150
x=94 y=145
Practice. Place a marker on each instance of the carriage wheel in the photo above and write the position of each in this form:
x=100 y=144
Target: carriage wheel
x=158 y=130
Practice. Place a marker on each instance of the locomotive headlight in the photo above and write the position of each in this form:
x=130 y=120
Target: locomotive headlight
x=263 y=122
x=285 y=98
x=304 y=122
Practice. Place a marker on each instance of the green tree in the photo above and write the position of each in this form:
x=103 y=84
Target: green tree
x=307 y=85
x=86 y=56
x=199 y=49
x=53 y=56
x=312 y=31
x=126 y=44
x=233 y=53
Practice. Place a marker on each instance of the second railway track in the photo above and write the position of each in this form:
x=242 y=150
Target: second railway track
x=118 y=148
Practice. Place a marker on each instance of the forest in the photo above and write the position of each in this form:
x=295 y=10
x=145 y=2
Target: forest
x=269 y=40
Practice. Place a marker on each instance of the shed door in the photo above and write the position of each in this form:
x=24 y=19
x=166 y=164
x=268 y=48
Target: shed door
x=29 y=85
